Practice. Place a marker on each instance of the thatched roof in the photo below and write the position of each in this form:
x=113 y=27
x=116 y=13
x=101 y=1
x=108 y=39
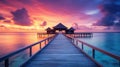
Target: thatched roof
x=60 y=25
x=72 y=28
x=48 y=28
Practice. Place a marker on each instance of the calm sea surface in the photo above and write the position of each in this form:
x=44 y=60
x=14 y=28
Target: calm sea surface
x=10 y=42
x=109 y=42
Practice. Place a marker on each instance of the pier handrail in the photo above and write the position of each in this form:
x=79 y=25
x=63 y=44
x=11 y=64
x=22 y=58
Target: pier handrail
x=6 y=57
x=94 y=48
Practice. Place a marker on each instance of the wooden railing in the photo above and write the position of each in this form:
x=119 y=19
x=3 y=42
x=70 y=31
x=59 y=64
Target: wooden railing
x=6 y=58
x=78 y=42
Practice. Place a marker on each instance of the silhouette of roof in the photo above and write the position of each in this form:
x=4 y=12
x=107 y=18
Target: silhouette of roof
x=48 y=28
x=60 y=25
x=72 y=28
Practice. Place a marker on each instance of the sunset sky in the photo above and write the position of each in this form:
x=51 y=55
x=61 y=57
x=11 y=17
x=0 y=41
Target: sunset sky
x=37 y=15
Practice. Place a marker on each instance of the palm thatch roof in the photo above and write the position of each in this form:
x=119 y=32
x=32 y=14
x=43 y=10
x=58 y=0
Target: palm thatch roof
x=60 y=26
x=72 y=28
x=48 y=29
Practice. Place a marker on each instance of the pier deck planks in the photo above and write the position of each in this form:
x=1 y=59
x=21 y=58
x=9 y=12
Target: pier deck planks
x=60 y=53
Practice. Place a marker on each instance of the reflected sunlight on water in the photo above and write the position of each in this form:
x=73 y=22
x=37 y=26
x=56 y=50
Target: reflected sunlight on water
x=10 y=42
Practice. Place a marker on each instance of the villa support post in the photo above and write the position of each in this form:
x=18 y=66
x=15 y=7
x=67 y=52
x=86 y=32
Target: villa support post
x=7 y=62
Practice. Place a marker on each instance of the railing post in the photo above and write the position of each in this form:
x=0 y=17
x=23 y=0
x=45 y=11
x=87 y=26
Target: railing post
x=73 y=40
x=93 y=53
x=40 y=45
x=48 y=39
x=30 y=51
x=7 y=62
x=76 y=42
x=82 y=46
x=45 y=42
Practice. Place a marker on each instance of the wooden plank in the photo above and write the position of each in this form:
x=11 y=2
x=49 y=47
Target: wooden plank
x=60 y=53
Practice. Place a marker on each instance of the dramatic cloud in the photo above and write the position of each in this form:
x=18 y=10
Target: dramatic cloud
x=53 y=11
x=2 y=18
x=7 y=21
x=106 y=21
x=4 y=1
x=21 y=17
x=70 y=12
x=111 y=11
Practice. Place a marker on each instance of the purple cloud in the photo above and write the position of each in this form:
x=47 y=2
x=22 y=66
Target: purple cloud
x=111 y=11
x=44 y=23
x=4 y=1
x=2 y=18
x=7 y=21
x=21 y=17
x=108 y=20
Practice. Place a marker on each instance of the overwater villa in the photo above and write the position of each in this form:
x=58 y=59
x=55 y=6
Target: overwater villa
x=60 y=28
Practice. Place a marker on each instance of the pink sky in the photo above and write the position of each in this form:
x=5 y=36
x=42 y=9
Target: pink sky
x=68 y=12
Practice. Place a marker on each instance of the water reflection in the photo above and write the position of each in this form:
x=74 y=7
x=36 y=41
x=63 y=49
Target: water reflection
x=14 y=41
x=106 y=41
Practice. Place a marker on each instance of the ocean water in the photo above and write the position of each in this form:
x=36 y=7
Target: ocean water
x=10 y=42
x=109 y=42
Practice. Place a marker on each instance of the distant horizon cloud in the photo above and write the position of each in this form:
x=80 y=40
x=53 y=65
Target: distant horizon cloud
x=92 y=12
x=75 y=25
x=44 y=23
x=2 y=18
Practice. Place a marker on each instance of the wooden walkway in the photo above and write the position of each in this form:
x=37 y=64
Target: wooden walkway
x=60 y=53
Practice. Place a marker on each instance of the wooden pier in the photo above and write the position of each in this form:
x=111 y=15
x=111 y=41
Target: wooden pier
x=60 y=53
x=81 y=35
x=76 y=35
x=43 y=35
